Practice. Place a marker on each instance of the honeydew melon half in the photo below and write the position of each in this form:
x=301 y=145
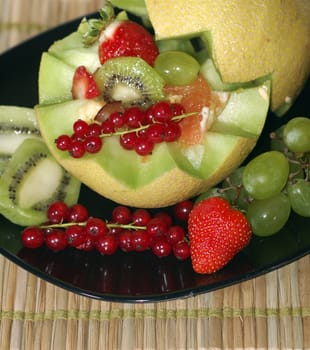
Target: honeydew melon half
x=249 y=39
x=168 y=175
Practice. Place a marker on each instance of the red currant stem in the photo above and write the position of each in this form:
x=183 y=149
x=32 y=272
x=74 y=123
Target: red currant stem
x=142 y=127
x=109 y=225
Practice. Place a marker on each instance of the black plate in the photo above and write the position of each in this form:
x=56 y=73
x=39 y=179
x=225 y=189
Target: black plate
x=133 y=277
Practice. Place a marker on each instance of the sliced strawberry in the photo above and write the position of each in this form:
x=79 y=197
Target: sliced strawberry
x=217 y=233
x=127 y=38
x=84 y=85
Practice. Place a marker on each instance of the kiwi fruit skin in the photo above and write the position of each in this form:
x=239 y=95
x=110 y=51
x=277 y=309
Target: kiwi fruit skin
x=32 y=173
x=143 y=84
x=16 y=125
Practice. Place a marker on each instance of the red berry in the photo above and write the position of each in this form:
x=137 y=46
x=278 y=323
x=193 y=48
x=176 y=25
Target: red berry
x=182 y=210
x=32 y=237
x=63 y=142
x=56 y=240
x=76 y=235
x=88 y=245
x=175 y=234
x=155 y=132
x=172 y=131
x=156 y=227
x=161 y=248
x=76 y=149
x=134 y=117
x=125 y=241
x=95 y=228
x=94 y=129
x=121 y=215
x=107 y=127
x=77 y=213
x=162 y=111
x=144 y=146
x=57 y=212
x=107 y=244
x=181 y=250
x=140 y=240
x=163 y=215
x=128 y=141
x=80 y=127
x=117 y=119
x=141 y=217
x=177 y=109
x=93 y=144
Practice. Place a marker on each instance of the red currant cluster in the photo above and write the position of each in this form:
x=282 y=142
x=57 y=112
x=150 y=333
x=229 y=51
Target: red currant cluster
x=138 y=130
x=129 y=230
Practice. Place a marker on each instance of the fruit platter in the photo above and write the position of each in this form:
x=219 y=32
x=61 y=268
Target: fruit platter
x=137 y=166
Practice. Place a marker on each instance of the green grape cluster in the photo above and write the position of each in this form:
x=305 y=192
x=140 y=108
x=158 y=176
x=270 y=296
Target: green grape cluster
x=274 y=183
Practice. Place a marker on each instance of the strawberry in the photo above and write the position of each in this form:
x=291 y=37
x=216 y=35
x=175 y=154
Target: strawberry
x=217 y=232
x=127 y=38
x=118 y=37
x=84 y=85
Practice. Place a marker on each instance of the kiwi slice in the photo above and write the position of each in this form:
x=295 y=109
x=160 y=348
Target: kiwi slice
x=16 y=124
x=33 y=180
x=129 y=80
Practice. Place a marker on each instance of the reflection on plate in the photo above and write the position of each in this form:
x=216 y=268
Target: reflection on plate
x=133 y=276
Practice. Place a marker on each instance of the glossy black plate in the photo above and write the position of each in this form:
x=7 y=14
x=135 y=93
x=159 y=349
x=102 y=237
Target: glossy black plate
x=133 y=277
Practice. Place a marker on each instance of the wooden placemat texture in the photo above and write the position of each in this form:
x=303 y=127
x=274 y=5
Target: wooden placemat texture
x=268 y=312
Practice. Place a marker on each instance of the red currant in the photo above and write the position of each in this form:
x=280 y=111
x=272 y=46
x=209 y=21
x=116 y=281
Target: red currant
x=128 y=141
x=57 y=212
x=94 y=129
x=172 y=132
x=140 y=217
x=93 y=144
x=95 y=228
x=175 y=234
x=32 y=237
x=76 y=148
x=182 y=210
x=162 y=215
x=63 y=142
x=177 y=109
x=125 y=241
x=140 y=240
x=76 y=235
x=181 y=250
x=56 y=240
x=134 y=117
x=161 y=248
x=144 y=146
x=107 y=127
x=155 y=132
x=77 y=213
x=107 y=244
x=117 y=119
x=121 y=215
x=162 y=111
x=156 y=227
x=80 y=127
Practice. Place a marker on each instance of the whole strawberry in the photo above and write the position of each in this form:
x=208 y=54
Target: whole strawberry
x=217 y=232
x=127 y=38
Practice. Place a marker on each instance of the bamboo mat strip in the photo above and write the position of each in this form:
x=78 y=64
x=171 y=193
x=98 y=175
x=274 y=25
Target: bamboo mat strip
x=269 y=312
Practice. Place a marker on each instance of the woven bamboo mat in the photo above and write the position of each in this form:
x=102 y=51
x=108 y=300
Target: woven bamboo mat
x=268 y=312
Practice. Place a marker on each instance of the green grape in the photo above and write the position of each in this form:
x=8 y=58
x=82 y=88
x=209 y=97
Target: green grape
x=234 y=189
x=266 y=175
x=296 y=135
x=212 y=192
x=176 y=67
x=268 y=216
x=276 y=140
x=299 y=196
